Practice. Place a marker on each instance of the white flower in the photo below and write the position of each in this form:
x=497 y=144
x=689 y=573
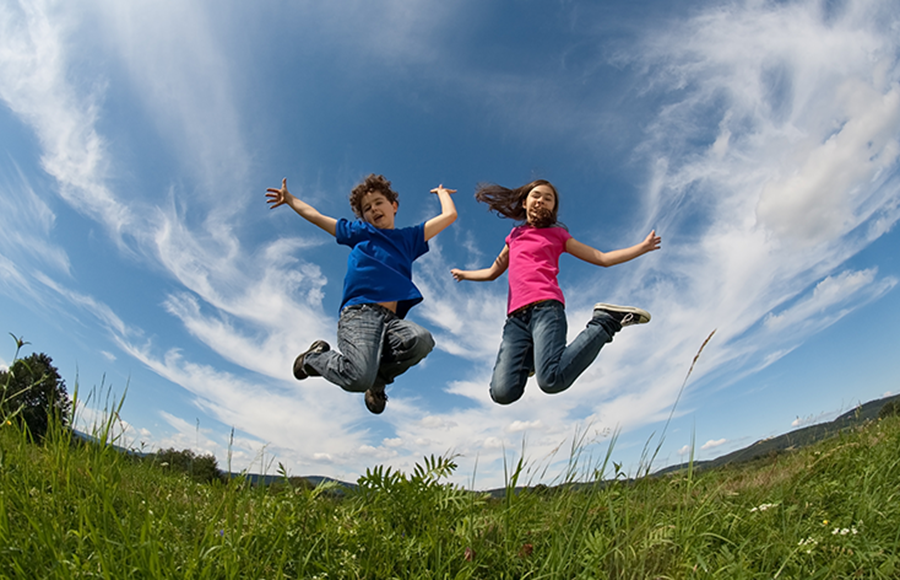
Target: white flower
x=763 y=507
x=809 y=542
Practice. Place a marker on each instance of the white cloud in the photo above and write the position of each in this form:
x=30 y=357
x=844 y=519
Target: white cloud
x=26 y=224
x=814 y=419
x=757 y=82
x=517 y=426
x=33 y=68
x=798 y=118
x=827 y=295
x=819 y=198
x=712 y=444
x=179 y=70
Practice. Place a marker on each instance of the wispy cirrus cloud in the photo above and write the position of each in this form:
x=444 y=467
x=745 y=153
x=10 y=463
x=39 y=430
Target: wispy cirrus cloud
x=771 y=149
x=228 y=298
x=34 y=65
x=776 y=157
x=775 y=150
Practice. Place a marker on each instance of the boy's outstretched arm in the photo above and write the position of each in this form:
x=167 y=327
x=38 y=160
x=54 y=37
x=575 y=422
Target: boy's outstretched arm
x=485 y=274
x=277 y=197
x=598 y=258
x=437 y=224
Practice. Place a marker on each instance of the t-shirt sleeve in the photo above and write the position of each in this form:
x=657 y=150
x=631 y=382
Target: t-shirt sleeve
x=418 y=245
x=348 y=233
x=511 y=235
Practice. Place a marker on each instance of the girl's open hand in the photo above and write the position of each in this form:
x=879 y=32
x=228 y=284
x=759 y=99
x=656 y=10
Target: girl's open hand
x=651 y=242
x=278 y=197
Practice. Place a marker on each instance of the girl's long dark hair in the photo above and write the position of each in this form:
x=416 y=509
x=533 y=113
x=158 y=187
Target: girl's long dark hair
x=510 y=203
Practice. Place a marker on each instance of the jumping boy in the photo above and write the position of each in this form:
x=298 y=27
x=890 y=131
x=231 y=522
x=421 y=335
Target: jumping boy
x=376 y=343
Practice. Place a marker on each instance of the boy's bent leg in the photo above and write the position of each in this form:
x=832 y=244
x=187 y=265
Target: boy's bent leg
x=514 y=361
x=405 y=345
x=361 y=330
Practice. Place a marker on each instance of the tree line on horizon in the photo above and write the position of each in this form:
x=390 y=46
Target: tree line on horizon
x=33 y=396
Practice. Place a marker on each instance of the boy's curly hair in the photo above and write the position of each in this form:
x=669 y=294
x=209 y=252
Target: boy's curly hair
x=371 y=183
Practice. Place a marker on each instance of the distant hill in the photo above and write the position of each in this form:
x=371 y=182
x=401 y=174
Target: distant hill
x=313 y=480
x=762 y=448
x=793 y=439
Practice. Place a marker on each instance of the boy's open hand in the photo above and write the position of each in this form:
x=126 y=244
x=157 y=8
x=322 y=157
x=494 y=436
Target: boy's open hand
x=441 y=188
x=278 y=197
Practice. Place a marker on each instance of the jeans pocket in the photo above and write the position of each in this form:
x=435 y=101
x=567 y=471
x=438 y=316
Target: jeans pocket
x=349 y=314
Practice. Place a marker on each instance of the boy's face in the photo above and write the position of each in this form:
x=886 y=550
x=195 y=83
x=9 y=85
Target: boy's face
x=378 y=211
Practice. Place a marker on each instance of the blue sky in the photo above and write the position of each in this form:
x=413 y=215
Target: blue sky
x=759 y=138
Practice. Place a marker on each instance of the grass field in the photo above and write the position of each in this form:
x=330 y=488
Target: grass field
x=70 y=509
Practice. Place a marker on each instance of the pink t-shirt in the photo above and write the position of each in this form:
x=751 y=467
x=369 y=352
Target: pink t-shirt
x=533 y=264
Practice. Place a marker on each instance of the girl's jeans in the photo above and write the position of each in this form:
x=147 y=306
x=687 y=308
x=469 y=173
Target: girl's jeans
x=375 y=347
x=535 y=339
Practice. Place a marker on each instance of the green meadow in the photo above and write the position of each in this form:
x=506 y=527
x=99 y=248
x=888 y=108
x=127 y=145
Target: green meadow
x=75 y=509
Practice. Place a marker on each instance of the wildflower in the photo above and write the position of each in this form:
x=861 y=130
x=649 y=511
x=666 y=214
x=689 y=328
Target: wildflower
x=764 y=507
x=810 y=543
x=844 y=531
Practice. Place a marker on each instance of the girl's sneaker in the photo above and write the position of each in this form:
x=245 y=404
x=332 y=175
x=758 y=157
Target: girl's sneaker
x=624 y=315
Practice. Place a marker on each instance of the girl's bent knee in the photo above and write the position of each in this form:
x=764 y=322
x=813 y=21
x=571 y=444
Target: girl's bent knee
x=551 y=388
x=506 y=396
x=503 y=400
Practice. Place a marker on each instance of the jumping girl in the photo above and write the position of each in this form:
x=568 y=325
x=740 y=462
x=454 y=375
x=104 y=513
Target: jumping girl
x=534 y=336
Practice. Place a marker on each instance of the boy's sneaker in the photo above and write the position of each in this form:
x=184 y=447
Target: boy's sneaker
x=624 y=315
x=300 y=372
x=376 y=399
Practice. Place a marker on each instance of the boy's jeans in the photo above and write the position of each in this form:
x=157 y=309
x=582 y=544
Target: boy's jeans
x=375 y=347
x=535 y=339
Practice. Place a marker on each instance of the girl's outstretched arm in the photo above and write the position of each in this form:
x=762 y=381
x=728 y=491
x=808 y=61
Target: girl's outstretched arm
x=282 y=196
x=436 y=225
x=605 y=259
x=486 y=274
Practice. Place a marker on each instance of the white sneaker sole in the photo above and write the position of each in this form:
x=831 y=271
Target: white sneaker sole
x=642 y=316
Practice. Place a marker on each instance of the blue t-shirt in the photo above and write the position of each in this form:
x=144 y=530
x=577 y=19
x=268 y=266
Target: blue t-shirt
x=379 y=268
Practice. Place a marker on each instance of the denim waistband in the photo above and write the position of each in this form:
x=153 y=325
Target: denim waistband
x=373 y=306
x=540 y=303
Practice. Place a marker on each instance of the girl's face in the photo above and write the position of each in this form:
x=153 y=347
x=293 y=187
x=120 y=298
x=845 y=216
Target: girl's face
x=378 y=211
x=538 y=202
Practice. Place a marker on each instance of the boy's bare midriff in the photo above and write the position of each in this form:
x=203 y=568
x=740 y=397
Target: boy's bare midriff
x=392 y=306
